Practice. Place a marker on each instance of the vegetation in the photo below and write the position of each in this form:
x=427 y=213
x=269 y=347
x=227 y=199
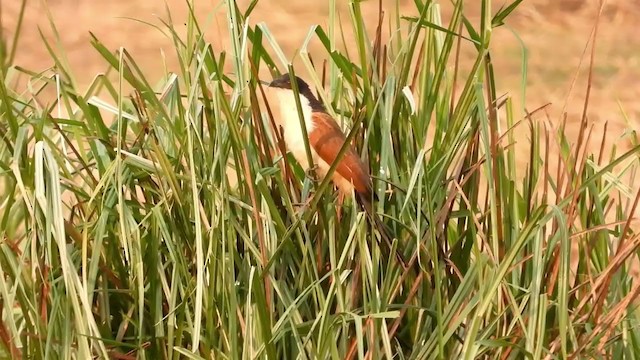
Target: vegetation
x=168 y=224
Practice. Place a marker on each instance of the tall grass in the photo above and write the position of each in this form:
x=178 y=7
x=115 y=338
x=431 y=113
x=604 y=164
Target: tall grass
x=169 y=223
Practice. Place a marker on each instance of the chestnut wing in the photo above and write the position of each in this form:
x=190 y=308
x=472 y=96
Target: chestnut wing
x=327 y=139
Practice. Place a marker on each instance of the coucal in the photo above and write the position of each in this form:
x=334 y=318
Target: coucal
x=325 y=140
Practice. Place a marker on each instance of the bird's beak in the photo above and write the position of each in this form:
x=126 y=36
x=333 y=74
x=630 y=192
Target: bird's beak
x=267 y=83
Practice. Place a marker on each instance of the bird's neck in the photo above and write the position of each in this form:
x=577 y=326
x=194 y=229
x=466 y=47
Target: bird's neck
x=290 y=118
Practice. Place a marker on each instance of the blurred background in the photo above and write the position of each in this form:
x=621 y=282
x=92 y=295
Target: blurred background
x=555 y=33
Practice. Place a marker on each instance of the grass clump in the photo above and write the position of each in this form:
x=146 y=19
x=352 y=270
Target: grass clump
x=166 y=224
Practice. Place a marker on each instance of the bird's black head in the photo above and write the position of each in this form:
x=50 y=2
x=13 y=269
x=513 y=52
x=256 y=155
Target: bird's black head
x=284 y=82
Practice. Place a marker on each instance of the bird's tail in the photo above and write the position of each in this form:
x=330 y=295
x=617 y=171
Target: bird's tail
x=385 y=232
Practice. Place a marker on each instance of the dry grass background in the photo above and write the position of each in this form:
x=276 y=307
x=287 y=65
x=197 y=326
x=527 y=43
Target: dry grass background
x=555 y=33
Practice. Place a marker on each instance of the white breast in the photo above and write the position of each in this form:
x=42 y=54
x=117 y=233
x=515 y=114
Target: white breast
x=290 y=123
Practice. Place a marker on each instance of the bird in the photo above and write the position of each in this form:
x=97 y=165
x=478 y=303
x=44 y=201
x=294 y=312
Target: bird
x=326 y=139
